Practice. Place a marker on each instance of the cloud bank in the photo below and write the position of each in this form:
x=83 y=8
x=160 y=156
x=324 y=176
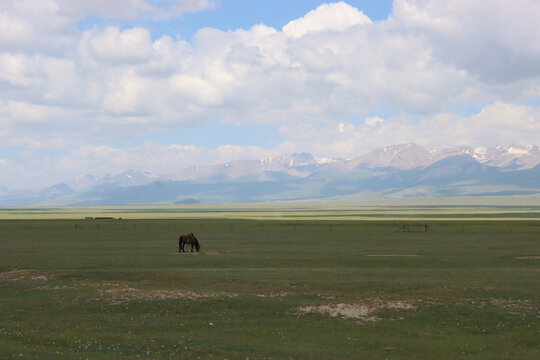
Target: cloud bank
x=333 y=82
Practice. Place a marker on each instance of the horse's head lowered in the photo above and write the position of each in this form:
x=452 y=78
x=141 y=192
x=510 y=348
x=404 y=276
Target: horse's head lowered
x=195 y=241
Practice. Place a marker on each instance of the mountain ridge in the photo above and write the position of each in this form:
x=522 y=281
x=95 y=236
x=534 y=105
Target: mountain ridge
x=393 y=171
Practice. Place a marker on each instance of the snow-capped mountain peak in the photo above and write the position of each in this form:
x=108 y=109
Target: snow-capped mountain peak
x=124 y=179
x=403 y=157
x=521 y=150
x=288 y=160
x=376 y=171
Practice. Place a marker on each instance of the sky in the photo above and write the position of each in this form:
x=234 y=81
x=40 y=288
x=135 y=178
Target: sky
x=101 y=87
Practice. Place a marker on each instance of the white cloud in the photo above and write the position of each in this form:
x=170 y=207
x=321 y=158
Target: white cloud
x=373 y=121
x=496 y=124
x=34 y=7
x=13 y=31
x=61 y=87
x=17 y=70
x=101 y=160
x=493 y=125
x=161 y=9
x=24 y=111
x=127 y=46
x=334 y=17
x=126 y=95
x=35 y=27
x=197 y=89
x=491 y=40
x=249 y=76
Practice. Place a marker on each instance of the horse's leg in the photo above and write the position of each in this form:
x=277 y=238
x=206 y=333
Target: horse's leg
x=191 y=247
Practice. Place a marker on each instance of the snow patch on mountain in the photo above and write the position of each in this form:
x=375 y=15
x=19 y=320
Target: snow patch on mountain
x=404 y=157
x=299 y=165
x=124 y=179
x=522 y=150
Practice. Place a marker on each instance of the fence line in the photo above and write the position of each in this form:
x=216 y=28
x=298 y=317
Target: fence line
x=185 y=226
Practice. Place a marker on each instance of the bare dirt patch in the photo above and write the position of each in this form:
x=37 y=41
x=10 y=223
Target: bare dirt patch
x=24 y=275
x=189 y=253
x=362 y=312
x=393 y=255
x=533 y=257
x=58 y=287
x=275 y=294
x=114 y=293
x=122 y=293
x=514 y=307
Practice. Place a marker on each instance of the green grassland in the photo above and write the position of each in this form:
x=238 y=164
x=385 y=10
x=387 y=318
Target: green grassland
x=270 y=284
x=460 y=208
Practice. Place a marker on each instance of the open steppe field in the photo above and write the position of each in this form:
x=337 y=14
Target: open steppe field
x=421 y=210
x=270 y=289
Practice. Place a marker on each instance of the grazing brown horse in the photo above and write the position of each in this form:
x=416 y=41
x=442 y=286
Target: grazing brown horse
x=189 y=239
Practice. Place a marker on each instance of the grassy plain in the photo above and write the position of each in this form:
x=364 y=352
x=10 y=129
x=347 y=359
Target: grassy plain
x=461 y=208
x=280 y=287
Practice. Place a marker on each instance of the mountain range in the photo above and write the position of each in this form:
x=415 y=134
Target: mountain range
x=396 y=171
